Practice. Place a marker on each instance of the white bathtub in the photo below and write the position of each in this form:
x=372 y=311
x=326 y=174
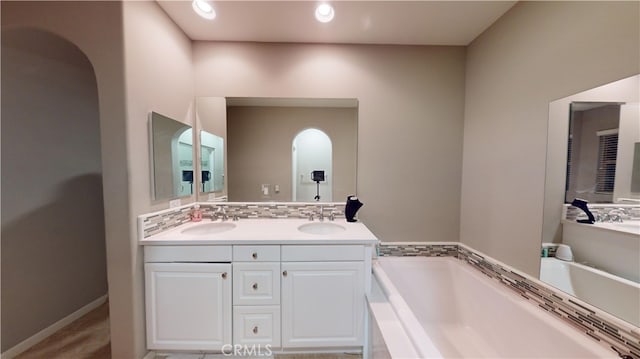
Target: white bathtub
x=608 y=292
x=448 y=309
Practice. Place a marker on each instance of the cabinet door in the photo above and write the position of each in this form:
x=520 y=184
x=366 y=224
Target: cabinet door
x=322 y=304
x=188 y=305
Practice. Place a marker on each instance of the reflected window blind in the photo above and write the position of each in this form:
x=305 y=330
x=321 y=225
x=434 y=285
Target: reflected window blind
x=607 y=153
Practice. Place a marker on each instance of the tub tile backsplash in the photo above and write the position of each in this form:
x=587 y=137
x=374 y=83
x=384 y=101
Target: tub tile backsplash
x=625 y=339
x=168 y=219
x=418 y=250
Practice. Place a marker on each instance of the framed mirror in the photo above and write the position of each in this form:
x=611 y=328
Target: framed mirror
x=274 y=145
x=172 y=158
x=591 y=154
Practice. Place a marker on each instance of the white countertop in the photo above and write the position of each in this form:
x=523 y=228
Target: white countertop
x=627 y=227
x=265 y=231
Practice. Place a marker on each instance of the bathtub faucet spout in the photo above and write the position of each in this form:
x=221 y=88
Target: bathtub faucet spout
x=582 y=204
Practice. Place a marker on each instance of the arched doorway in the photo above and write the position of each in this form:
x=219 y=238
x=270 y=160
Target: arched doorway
x=311 y=151
x=53 y=231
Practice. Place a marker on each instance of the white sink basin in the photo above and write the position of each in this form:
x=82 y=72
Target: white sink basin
x=209 y=228
x=321 y=228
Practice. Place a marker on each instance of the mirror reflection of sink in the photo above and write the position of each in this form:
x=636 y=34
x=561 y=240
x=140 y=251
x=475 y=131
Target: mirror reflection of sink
x=209 y=228
x=321 y=228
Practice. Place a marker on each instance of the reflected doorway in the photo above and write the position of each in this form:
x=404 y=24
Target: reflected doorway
x=311 y=151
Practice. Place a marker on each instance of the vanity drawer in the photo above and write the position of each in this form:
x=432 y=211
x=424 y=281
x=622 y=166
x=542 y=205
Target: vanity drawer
x=308 y=253
x=256 y=253
x=187 y=254
x=256 y=325
x=256 y=283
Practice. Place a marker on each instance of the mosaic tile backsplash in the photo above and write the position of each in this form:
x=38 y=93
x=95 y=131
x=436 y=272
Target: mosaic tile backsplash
x=164 y=220
x=631 y=212
x=418 y=250
x=624 y=339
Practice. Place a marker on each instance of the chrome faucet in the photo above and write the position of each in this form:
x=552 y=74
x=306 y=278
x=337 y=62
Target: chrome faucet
x=616 y=216
x=221 y=211
x=321 y=216
x=211 y=216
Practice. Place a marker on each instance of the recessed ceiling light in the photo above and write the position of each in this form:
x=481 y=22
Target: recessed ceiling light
x=204 y=9
x=324 y=12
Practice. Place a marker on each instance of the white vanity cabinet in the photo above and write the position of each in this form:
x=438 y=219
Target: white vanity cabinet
x=322 y=296
x=289 y=296
x=188 y=304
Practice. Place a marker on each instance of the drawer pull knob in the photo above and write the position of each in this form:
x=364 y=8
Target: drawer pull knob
x=255 y=330
x=284 y=273
x=255 y=286
x=254 y=255
x=224 y=275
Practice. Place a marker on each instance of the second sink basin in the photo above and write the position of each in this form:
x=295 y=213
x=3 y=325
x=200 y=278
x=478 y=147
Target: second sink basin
x=321 y=228
x=209 y=228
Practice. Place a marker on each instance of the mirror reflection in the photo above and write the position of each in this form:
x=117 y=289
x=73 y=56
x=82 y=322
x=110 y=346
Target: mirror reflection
x=211 y=121
x=172 y=149
x=592 y=151
x=211 y=162
x=592 y=156
x=274 y=145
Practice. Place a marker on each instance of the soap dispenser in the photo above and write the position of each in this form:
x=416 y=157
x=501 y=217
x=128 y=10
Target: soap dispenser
x=196 y=214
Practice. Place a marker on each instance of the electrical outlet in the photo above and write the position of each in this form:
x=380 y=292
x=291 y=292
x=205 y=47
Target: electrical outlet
x=265 y=189
x=174 y=203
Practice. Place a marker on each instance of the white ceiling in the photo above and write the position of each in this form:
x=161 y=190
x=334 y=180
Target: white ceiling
x=356 y=22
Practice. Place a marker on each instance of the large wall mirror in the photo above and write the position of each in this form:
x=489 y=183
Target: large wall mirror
x=592 y=154
x=172 y=162
x=274 y=146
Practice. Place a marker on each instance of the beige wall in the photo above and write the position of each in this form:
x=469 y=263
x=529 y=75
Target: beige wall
x=260 y=140
x=537 y=52
x=409 y=119
x=159 y=78
x=53 y=237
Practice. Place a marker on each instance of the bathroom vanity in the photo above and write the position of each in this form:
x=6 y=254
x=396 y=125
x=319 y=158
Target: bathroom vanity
x=292 y=284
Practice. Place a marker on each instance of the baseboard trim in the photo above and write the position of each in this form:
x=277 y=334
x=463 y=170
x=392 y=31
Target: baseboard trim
x=48 y=331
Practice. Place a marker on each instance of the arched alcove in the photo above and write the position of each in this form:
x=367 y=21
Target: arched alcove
x=53 y=229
